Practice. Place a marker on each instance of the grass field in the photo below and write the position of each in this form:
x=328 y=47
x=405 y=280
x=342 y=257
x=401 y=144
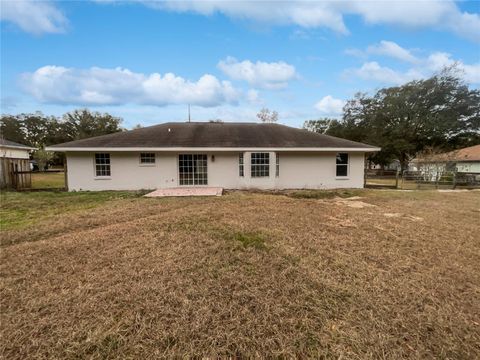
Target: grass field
x=387 y=274
x=45 y=180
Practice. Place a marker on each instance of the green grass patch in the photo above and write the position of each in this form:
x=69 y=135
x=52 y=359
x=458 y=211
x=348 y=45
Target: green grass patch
x=250 y=239
x=53 y=180
x=325 y=194
x=23 y=209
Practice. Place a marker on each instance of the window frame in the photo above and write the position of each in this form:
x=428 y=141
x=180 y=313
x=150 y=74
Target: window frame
x=106 y=164
x=143 y=157
x=241 y=164
x=261 y=167
x=342 y=165
x=277 y=165
x=192 y=169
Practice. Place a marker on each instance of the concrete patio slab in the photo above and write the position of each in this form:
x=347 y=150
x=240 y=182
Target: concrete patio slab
x=187 y=191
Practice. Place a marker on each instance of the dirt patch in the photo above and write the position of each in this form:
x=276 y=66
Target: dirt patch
x=399 y=215
x=353 y=202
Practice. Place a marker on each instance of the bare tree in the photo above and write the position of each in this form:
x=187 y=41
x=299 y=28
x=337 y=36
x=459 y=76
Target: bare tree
x=267 y=116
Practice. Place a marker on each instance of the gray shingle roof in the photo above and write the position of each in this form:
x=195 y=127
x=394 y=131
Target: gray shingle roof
x=214 y=135
x=9 y=143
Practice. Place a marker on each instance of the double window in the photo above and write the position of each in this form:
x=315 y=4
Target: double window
x=342 y=165
x=102 y=164
x=241 y=166
x=260 y=165
x=147 y=158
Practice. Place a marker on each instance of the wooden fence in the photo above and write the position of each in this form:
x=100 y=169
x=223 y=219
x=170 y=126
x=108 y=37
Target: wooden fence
x=15 y=173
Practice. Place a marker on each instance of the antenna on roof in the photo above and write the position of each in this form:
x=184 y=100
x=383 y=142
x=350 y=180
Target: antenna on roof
x=189 y=113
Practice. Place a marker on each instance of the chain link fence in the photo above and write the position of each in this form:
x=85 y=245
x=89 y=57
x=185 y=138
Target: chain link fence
x=413 y=180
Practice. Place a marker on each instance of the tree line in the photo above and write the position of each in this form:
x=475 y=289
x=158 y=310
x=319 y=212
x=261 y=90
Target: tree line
x=439 y=113
x=38 y=130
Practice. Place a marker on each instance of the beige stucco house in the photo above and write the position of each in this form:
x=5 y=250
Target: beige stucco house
x=227 y=155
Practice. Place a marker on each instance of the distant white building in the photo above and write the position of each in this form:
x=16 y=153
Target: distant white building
x=462 y=161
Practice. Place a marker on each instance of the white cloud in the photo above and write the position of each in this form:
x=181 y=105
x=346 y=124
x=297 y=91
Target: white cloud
x=439 y=60
x=328 y=105
x=253 y=97
x=304 y=14
x=33 y=16
x=39 y=16
x=392 y=49
x=374 y=71
x=99 y=86
x=273 y=75
x=437 y=14
x=423 y=67
x=384 y=48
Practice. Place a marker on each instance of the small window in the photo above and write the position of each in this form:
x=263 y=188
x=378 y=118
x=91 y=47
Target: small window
x=342 y=164
x=102 y=164
x=260 y=165
x=241 y=167
x=147 y=158
x=277 y=164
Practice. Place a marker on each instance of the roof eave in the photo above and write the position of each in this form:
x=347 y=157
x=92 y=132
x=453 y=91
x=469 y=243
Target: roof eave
x=17 y=147
x=176 y=149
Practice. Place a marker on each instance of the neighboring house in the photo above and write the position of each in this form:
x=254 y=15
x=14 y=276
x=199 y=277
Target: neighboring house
x=14 y=157
x=393 y=166
x=228 y=155
x=462 y=161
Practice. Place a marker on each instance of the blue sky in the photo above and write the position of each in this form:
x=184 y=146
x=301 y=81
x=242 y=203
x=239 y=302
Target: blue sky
x=144 y=60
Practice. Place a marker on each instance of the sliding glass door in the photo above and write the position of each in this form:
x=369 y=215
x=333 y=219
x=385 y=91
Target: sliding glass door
x=192 y=169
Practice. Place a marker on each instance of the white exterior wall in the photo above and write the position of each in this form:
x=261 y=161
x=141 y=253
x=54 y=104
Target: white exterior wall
x=468 y=167
x=14 y=153
x=297 y=171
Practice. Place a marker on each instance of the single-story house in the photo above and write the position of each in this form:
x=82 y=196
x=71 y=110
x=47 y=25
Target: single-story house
x=461 y=161
x=217 y=154
x=14 y=157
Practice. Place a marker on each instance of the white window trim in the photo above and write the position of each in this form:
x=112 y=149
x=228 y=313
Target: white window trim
x=147 y=164
x=241 y=165
x=258 y=165
x=277 y=165
x=100 y=177
x=178 y=170
x=346 y=177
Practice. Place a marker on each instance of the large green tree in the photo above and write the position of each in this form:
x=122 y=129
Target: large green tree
x=83 y=123
x=440 y=112
x=38 y=130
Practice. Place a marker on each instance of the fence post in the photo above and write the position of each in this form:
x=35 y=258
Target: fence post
x=454 y=185
x=396 y=179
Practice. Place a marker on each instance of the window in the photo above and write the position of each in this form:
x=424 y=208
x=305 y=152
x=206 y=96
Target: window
x=260 y=165
x=277 y=164
x=147 y=158
x=241 y=168
x=192 y=169
x=342 y=164
x=102 y=164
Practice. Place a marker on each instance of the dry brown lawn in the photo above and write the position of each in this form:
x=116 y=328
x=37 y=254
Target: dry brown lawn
x=247 y=275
